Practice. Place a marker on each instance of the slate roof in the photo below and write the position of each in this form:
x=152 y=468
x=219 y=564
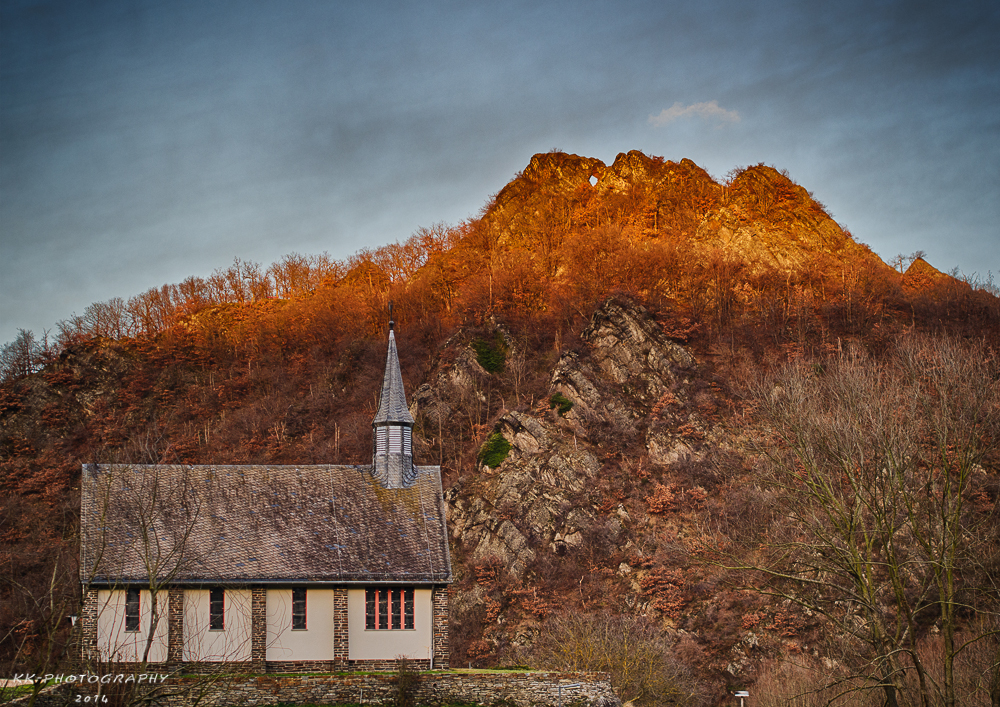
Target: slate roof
x=392 y=401
x=258 y=524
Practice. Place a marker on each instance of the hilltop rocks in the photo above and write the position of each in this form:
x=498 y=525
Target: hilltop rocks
x=768 y=221
x=565 y=170
x=921 y=268
x=760 y=219
x=552 y=173
x=923 y=278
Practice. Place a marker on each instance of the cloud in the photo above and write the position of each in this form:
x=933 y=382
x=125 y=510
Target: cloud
x=709 y=110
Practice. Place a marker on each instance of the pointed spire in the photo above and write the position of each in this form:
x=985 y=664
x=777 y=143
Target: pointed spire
x=392 y=428
x=392 y=402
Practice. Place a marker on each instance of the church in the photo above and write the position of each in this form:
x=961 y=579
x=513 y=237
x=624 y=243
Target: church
x=270 y=568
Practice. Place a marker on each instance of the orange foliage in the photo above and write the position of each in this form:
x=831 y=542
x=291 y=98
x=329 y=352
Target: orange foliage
x=671 y=498
x=664 y=587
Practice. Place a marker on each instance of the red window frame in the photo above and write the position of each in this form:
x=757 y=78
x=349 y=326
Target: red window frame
x=389 y=609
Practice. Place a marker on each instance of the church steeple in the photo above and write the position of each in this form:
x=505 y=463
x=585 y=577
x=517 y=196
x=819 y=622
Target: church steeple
x=392 y=428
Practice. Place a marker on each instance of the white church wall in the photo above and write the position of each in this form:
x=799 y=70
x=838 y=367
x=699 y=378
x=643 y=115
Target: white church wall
x=204 y=644
x=114 y=643
x=315 y=642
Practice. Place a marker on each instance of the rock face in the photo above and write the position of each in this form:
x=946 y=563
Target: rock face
x=632 y=366
x=761 y=217
x=454 y=384
x=574 y=379
x=631 y=348
x=535 y=501
x=589 y=505
x=526 y=504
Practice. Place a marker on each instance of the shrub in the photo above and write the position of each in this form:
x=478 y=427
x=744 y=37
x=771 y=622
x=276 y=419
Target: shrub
x=633 y=649
x=561 y=403
x=494 y=451
x=404 y=683
x=492 y=355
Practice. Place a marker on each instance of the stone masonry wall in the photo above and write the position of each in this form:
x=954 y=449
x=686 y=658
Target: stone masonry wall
x=88 y=626
x=258 y=631
x=440 y=626
x=175 y=625
x=341 y=637
x=528 y=689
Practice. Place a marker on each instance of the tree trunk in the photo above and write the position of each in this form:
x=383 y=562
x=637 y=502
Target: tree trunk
x=890 y=689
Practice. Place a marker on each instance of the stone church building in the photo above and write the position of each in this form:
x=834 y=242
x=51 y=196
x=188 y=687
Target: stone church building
x=273 y=568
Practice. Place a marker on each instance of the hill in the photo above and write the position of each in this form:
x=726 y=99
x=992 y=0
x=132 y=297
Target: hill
x=581 y=358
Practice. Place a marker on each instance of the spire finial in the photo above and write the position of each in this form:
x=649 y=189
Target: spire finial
x=392 y=324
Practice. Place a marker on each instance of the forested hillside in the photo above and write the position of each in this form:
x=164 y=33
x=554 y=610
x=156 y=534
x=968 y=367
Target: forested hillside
x=692 y=420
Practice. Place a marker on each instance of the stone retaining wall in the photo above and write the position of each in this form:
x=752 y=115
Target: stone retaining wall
x=528 y=689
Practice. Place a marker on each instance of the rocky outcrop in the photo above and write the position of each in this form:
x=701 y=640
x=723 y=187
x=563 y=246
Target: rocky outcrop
x=923 y=278
x=574 y=379
x=559 y=173
x=921 y=268
x=457 y=378
x=599 y=498
x=536 y=499
x=529 y=502
x=769 y=222
x=631 y=367
x=760 y=218
x=454 y=384
x=631 y=348
x=666 y=449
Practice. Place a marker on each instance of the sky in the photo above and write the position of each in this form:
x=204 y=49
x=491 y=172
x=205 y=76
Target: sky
x=145 y=141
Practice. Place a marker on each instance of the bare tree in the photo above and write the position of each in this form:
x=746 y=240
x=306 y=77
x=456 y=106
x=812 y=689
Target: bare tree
x=148 y=530
x=160 y=514
x=883 y=468
x=22 y=356
x=38 y=608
